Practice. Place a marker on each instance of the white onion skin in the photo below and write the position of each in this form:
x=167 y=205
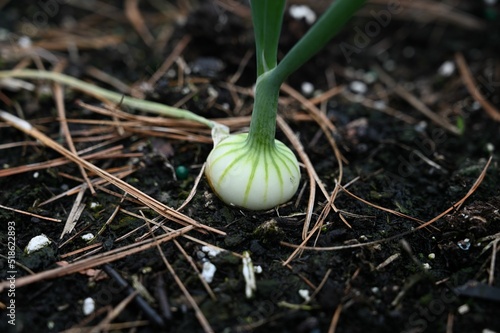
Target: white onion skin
x=251 y=176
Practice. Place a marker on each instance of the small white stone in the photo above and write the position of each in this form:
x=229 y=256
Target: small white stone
x=212 y=252
x=307 y=88
x=94 y=204
x=299 y=12
x=490 y=147
x=36 y=175
x=257 y=269
x=208 y=271
x=447 y=68
x=463 y=309
x=88 y=306
x=24 y=42
x=426 y=266
x=304 y=293
x=88 y=236
x=37 y=243
x=431 y=256
x=421 y=126
x=358 y=87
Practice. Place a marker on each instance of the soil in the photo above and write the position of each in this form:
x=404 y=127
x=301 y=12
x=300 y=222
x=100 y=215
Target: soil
x=442 y=278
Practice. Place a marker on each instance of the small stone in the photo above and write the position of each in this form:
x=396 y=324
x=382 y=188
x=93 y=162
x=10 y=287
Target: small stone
x=87 y=236
x=447 y=68
x=464 y=244
x=304 y=293
x=463 y=309
x=208 y=271
x=299 y=12
x=358 y=87
x=211 y=251
x=431 y=256
x=88 y=306
x=37 y=243
x=307 y=88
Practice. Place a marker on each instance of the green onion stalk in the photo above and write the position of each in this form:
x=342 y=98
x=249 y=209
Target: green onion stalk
x=254 y=170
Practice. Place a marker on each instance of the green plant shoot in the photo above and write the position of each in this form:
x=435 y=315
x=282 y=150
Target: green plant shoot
x=254 y=170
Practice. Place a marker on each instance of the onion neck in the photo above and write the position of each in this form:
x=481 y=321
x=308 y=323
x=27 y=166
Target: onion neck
x=263 y=124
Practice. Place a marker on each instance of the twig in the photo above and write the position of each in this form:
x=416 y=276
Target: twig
x=193 y=190
x=199 y=314
x=59 y=99
x=134 y=16
x=309 y=168
x=335 y=319
x=75 y=212
x=491 y=277
x=179 y=48
x=31 y=214
x=113 y=314
x=472 y=85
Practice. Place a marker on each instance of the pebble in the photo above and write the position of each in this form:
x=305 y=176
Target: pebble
x=447 y=68
x=299 y=12
x=208 y=271
x=358 y=87
x=88 y=306
x=37 y=243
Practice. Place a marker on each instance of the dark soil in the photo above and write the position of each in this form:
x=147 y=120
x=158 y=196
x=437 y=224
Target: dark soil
x=441 y=278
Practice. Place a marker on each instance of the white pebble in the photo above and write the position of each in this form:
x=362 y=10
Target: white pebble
x=447 y=68
x=302 y=12
x=37 y=243
x=426 y=266
x=87 y=236
x=208 y=271
x=304 y=293
x=307 y=88
x=211 y=251
x=36 y=175
x=88 y=306
x=431 y=256
x=257 y=269
x=358 y=87
x=463 y=309
x=24 y=42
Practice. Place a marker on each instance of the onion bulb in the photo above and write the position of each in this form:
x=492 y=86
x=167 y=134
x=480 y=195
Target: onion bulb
x=252 y=175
